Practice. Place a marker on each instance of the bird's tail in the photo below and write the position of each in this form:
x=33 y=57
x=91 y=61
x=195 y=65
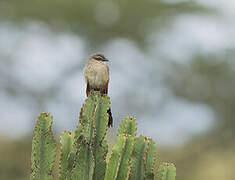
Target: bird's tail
x=110 y=123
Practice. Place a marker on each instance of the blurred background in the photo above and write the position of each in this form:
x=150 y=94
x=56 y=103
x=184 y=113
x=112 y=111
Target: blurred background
x=171 y=64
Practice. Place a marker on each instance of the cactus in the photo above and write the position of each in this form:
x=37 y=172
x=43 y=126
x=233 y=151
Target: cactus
x=94 y=122
x=143 y=159
x=83 y=152
x=67 y=153
x=119 y=165
x=84 y=163
x=43 y=149
x=128 y=126
x=166 y=171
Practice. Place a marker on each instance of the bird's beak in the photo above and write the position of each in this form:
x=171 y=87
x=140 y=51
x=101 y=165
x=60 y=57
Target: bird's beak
x=105 y=59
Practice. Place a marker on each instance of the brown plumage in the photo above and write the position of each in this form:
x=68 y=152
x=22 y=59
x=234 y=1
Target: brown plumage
x=96 y=73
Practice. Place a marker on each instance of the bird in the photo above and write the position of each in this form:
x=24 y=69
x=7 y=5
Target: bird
x=96 y=74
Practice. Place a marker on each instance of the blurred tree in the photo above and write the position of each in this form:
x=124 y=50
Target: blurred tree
x=207 y=79
x=97 y=22
x=100 y=21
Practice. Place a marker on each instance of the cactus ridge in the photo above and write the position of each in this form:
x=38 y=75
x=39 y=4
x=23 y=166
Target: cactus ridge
x=86 y=120
x=124 y=166
x=149 y=158
x=84 y=161
x=94 y=121
x=119 y=163
x=115 y=159
x=94 y=118
x=43 y=149
x=67 y=153
x=143 y=158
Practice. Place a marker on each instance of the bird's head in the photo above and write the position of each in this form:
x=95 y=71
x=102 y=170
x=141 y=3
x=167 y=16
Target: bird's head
x=98 y=57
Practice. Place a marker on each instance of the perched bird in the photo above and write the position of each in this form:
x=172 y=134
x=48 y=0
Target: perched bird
x=96 y=73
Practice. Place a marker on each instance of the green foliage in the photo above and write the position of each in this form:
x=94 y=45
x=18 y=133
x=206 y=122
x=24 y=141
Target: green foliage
x=100 y=21
x=83 y=152
x=43 y=149
x=166 y=171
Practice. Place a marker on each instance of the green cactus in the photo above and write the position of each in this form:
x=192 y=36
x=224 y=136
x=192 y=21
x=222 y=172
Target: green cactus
x=143 y=159
x=43 y=149
x=166 y=171
x=119 y=163
x=83 y=152
x=94 y=121
x=128 y=126
x=67 y=153
x=85 y=162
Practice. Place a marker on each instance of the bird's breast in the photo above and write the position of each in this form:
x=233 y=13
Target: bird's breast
x=96 y=75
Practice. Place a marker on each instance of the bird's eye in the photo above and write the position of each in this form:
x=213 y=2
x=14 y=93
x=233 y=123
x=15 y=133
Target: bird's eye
x=98 y=58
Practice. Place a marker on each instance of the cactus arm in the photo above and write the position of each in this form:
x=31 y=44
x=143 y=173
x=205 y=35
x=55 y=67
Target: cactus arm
x=100 y=147
x=124 y=167
x=114 y=161
x=161 y=172
x=84 y=161
x=101 y=117
x=94 y=117
x=137 y=166
x=171 y=173
x=128 y=126
x=86 y=119
x=119 y=163
x=128 y=129
x=93 y=127
x=149 y=159
x=166 y=171
x=67 y=153
x=43 y=149
x=100 y=153
x=143 y=159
